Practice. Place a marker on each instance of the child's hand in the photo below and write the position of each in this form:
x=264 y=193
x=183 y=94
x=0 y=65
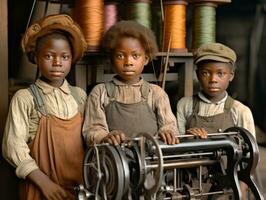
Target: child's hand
x=201 y=132
x=168 y=137
x=53 y=191
x=49 y=189
x=115 y=137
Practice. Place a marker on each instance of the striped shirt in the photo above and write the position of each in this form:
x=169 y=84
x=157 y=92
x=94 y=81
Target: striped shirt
x=241 y=114
x=95 y=127
x=23 y=119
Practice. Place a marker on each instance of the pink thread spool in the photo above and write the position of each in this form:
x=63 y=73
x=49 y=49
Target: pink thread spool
x=110 y=14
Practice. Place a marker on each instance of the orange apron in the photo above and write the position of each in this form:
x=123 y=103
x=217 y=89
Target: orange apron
x=58 y=151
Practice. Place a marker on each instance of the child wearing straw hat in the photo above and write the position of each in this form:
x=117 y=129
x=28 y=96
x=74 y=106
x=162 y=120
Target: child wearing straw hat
x=42 y=137
x=128 y=105
x=212 y=109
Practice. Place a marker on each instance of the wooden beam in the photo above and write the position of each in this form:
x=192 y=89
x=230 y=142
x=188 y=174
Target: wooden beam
x=3 y=63
x=8 y=181
x=210 y=1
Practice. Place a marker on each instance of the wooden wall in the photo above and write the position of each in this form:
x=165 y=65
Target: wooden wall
x=3 y=63
x=8 y=181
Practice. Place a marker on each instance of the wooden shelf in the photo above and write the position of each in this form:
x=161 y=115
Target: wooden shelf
x=96 y=68
x=210 y=1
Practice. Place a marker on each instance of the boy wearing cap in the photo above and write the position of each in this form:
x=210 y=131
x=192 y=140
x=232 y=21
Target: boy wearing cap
x=42 y=137
x=212 y=109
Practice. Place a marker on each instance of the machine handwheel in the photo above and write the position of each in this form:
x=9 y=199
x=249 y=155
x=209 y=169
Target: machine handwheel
x=249 y=161
x=157 y=173
x=102 y=172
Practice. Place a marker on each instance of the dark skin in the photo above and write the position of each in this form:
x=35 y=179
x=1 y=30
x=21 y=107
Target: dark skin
x=129 y=59
x=53 y=59
x=214 y=78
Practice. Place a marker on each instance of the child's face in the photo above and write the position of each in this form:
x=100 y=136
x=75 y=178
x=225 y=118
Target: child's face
x=129 y=59
x=54 y=60
x=214 y=78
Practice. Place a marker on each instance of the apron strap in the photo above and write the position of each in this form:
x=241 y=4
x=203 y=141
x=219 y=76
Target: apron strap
x=39 y=102
x=145 y=89
x=228 y=103
x=196 y=100
x=75 y=94
x=195 y=109
x=227 y=106
x=110 y=89
x=38 y=99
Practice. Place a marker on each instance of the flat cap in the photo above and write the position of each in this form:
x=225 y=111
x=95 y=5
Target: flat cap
x=61 y=23
x=216 y=52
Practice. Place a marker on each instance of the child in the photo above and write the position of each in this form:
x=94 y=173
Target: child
x=42 y=137
x=215 y=70
x=212 y=109
x=128 y=105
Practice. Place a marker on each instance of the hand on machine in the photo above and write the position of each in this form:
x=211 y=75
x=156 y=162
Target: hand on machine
x=146 y=168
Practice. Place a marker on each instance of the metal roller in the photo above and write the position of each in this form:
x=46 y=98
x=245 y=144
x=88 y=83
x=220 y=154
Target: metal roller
x=146 y=168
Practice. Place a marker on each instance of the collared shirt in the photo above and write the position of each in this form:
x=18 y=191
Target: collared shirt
x=23 y=120
x=241 y=114
x=95 y=127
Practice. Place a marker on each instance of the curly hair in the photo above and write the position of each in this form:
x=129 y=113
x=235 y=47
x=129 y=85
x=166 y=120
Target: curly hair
x=134 y=30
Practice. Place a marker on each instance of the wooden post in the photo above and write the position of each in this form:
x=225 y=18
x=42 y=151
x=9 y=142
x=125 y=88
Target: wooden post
x=3 y=64
x=8 y=180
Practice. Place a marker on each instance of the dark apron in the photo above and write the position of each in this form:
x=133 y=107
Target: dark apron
x=211 y=124
x=58 y=151
x=132 y=119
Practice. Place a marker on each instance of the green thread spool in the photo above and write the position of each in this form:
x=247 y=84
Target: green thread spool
x=204 y=24
x=140 y=12
x=157 y=23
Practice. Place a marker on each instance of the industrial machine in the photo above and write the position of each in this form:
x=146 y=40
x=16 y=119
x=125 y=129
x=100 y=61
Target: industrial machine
x=146 y=168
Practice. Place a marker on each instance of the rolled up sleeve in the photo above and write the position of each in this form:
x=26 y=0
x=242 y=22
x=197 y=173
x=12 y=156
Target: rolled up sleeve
x=166 y=118
x=14 y=147
x=95 y=127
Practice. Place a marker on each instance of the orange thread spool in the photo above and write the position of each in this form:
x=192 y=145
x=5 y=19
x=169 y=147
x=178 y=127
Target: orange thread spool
x=175 y=26
x=90 y=16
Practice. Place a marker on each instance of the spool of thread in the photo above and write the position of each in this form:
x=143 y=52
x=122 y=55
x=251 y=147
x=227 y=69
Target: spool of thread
x=90 y=16
x=139 y=11
x=203 y=24
x=157 y=22
x=174 y=33
x=110 y=14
